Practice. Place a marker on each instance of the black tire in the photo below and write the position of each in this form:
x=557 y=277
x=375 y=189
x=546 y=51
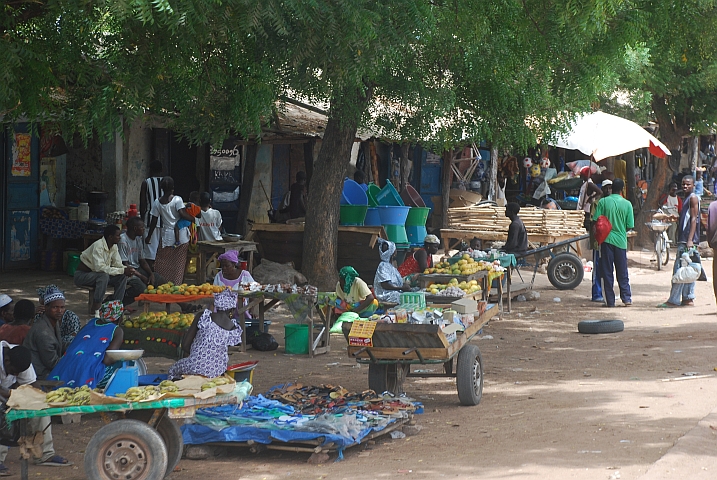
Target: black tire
x=600 y=326
x=387 y=377
x=469 y=375
x=170 y=432
x=127 y=449
x=565 y=271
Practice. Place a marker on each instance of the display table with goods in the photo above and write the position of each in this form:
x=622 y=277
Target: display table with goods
x=143 y=441
x=207 y=250
x=301 y=301
x=390 y=349
x=297 y=418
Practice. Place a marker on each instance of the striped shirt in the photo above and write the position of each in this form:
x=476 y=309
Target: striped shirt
x=153 y=193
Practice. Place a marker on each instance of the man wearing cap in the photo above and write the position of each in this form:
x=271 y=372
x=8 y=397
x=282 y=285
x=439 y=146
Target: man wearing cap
x=16 y=369
x=5 y=309
x=613 y=251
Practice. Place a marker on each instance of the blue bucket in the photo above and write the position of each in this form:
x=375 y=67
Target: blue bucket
x=373 y=219
x=353 y=194
x=392 y=215
x=388 y=196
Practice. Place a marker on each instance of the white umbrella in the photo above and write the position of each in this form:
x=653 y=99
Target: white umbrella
x=603 y=135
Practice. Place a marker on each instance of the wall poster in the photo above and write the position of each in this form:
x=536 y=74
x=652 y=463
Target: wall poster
x=21 y=155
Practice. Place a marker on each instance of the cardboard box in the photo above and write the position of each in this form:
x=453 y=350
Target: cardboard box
x=452 y=331
x=465 y=305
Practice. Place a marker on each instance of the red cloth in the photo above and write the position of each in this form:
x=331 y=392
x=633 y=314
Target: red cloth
x=410 y=265
x=14 y=334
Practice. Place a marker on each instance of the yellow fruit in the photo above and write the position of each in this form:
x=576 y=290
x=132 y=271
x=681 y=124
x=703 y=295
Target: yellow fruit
x=128 y=324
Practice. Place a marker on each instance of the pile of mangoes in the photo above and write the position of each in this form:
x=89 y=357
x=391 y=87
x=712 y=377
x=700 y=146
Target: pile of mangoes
x=171 y=321
x=467 y=287
x=184 y=289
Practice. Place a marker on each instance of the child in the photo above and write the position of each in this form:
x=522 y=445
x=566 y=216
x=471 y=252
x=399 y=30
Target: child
x=192 y=209
x=210 y=220
x=14 y=333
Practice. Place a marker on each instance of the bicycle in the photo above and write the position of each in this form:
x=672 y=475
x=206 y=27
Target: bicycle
x=662 y=241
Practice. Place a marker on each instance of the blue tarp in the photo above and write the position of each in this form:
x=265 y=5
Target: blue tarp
x=197 y=434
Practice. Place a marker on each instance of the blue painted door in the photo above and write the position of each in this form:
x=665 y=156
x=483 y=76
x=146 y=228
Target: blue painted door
x=21 y=171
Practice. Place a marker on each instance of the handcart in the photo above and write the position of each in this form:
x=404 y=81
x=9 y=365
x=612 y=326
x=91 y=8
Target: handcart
x=146 y=444
x=397 y=346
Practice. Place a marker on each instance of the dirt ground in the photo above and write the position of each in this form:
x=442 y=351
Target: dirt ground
x=556 y=403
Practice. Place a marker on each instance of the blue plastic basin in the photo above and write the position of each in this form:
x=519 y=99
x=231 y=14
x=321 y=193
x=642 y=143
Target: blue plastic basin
x=391 y=215
x=353 y=194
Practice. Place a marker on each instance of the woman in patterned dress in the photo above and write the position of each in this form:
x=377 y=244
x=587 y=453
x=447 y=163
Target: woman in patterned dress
x=208 y=339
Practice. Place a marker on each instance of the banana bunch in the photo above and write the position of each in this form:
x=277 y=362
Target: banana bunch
x=215 y=382
x=70 y=396
x=168 y=386
x=137 y=394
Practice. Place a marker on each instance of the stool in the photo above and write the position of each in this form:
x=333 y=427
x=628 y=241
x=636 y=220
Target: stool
x=90 y=300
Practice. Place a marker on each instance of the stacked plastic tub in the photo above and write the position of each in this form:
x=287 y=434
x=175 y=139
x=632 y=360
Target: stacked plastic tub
x=373 y=219
x=417 y=216
x=393 y=214
x=354 y=204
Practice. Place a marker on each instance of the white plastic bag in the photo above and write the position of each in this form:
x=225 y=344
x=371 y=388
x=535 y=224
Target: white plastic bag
x=688 y=272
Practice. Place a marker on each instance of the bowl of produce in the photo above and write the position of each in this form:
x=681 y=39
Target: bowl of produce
x=124 y=355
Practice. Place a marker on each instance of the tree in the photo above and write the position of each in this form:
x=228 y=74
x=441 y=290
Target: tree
x=675 y=69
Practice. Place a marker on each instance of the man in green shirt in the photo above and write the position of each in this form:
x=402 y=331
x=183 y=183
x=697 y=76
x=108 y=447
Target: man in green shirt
x=613 y=251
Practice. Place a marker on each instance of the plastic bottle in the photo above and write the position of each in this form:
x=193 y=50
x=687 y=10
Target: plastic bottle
x=83 y=212
x=132 y=212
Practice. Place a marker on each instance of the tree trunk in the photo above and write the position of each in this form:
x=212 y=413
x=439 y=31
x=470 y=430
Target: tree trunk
x=694 y=153
x=309 y=160
x=247 y=185
x=322 y=209
x=446 y=185
x=630 y=172
x=493 y=177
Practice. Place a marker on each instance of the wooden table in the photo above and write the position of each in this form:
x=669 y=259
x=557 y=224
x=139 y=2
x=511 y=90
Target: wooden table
x=209 y=248
x=284 y=243
x=451 y=237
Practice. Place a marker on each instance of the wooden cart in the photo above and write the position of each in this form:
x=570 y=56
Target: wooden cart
x=145 y=444
x=397 y=346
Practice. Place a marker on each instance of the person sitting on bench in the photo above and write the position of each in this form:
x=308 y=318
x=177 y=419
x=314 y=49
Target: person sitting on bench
x=101 y=265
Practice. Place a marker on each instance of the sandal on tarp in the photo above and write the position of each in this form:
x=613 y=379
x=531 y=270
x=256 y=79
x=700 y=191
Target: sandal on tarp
x=56 y=461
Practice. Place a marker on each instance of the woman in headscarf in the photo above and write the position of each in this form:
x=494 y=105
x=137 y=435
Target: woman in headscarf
x=70 y=323
x=85 y=362
x=419 y=260
x=231 y=275
x=208 y=339
x=388 y=282
x=353 y=294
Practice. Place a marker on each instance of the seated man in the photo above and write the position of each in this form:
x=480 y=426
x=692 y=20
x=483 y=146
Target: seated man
x=517 y=242
x=44 y=339
x=101 y=265
x=16 y=369
x=131 y=252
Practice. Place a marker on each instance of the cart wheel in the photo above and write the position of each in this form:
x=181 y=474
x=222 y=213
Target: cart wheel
x=387 y=377
x=565 y=271
x=170 y=432
x=469 y=375
x=127 y=449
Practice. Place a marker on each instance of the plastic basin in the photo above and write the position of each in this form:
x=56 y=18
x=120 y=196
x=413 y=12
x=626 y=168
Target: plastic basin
x=388 y=196
x=353 y=214
x=417 y=216
x=416 y=235
x=392 y=215
x=373 y=219
x=411 y=197
x=397 y=234
x=372 y=191
x=353 y=194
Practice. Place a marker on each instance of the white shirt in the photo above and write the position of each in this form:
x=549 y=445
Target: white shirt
x=209 y=224
x=23 y=378
x=583 y=203
x=131 y=251
x=169 y=215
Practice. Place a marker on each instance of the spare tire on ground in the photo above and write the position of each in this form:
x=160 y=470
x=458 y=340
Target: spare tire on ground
x=601 y=326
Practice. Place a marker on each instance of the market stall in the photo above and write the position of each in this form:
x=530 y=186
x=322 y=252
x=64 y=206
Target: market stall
x=144 y=443
x=210 y=249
